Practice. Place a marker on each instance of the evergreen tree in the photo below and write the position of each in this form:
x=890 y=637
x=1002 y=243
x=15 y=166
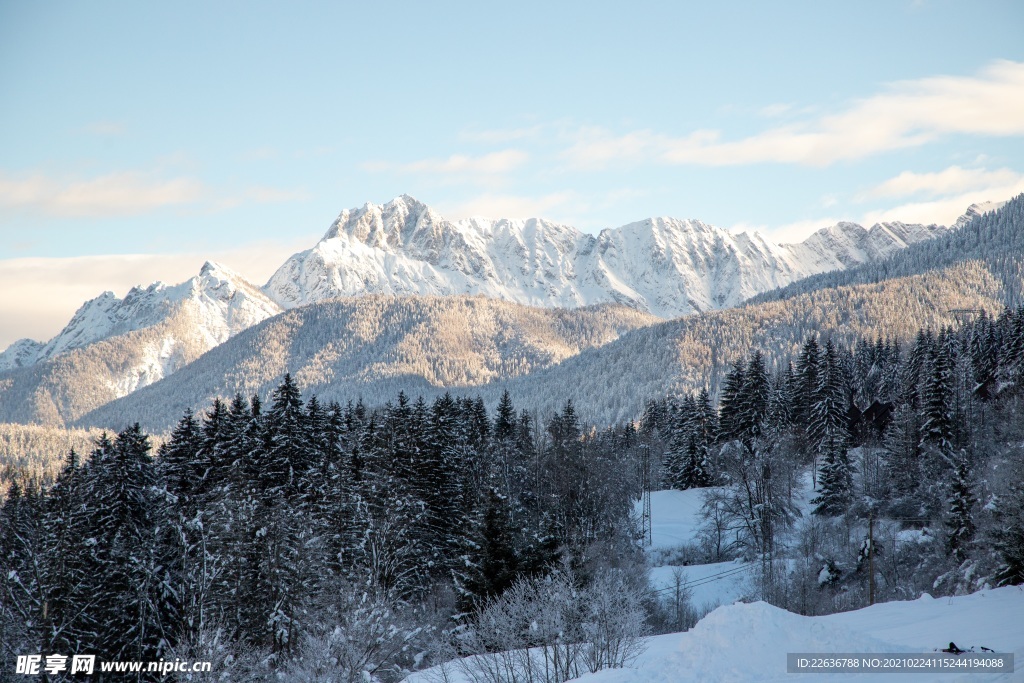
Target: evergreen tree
x=753 y=400
x=828 y=427
x=805 y=387
x=730 y=405
x=1008 y=539
x=131 y=590
x=960 y=521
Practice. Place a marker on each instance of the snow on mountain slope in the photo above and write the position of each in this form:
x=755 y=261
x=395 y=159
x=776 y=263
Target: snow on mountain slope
x=664 y=266
x=373 y=346
x=221 y=303
x=21 y=353
x=975 y=210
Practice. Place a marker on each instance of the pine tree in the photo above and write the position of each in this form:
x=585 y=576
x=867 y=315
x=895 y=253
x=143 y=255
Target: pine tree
x=805 y=386
x=730 y=404
x=179 y=466
x=22 y=594
x=675 y=459
x=1008 y=539
x=960 y=521
x=902 y=447
x=131 y=591
x=828 y=427
x=753 y=400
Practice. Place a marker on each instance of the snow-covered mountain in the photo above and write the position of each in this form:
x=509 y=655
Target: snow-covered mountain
x=975 y=210
x=374 y=346
x=660 y=267
x=664 y=266
x=220 y=304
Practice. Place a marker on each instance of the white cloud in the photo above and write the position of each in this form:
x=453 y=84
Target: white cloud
x=41 y=294
x=116 y=194
x=775 y=110
x=905 y=114
x=945 y=210
x=490 y=164
x=953 y=179
x=947 y=194
x=126 y=193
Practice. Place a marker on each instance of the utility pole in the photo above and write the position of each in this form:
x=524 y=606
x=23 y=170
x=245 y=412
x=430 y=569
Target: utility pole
x=871 y=558
x=645 y=517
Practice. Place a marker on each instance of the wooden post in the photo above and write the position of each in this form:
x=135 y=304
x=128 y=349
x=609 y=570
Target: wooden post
x=871 y=559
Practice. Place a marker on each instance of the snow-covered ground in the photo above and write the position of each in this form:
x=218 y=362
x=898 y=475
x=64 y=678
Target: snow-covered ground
x=676 y=521
x=749 y=642
x=709 y=585
x=740 y=642
x=675 y=517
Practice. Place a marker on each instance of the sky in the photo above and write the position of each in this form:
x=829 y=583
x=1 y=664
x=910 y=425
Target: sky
x=138 y=140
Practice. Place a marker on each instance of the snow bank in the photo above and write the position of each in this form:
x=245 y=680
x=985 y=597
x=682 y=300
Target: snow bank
x=749 y=642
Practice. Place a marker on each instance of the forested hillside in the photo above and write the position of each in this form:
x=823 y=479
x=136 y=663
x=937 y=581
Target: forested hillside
x=996 y=237
x=283 y=537
x=372 y=347
x=29 y=453
x=611 y=383
x=355 y=348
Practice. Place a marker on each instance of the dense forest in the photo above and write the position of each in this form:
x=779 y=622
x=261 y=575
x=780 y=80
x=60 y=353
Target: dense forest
x=291 y=540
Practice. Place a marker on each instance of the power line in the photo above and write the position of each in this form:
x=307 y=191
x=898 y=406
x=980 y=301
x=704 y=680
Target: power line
x=708 y=579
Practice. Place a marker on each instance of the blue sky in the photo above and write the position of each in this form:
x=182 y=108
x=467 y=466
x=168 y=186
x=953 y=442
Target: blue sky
x=141 y=138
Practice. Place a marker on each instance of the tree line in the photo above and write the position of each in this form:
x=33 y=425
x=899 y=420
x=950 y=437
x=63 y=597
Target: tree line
x=261 y=528
x=263 y=535
x=924 y=435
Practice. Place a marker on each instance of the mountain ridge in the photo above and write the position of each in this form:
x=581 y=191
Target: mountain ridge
x=665 y=266
x=113 y=347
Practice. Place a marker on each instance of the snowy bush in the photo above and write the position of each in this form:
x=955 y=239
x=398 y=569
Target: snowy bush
x=550 y=630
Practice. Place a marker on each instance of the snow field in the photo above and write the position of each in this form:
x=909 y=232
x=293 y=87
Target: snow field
x=749 y=642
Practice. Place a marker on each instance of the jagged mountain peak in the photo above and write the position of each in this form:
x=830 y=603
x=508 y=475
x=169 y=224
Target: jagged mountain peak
x=392 y=224
x=219 y=303
x=662 y=265
x=215 y=269
x=975 y=210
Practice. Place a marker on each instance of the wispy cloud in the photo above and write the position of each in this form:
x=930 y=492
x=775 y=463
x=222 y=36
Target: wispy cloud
x=944 y=210
x=774 y=110
x=271 y=195
x=116 y=194
x=953 y=179
x=127 y=194
x=489 y=164
x=905 y=114
x=41 y=294
x=940 y=196
x=789 y=233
